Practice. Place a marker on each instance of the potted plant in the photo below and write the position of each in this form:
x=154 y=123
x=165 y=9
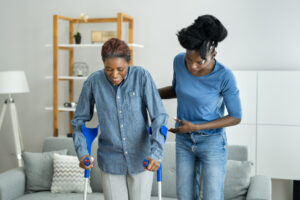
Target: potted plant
x=77 y=36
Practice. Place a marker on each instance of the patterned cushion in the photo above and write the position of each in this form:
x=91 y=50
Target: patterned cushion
x=68 y=176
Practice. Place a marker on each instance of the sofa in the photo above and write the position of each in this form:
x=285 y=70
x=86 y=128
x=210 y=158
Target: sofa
x=13 y=182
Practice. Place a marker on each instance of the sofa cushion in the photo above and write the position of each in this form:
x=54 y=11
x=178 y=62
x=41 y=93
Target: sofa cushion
x=237 y=179
x=39 y=170
x=60 y=196
x=64 y=196
x=237 y=152
x=67 y=176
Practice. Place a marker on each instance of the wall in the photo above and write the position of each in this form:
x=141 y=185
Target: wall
x=262 y=35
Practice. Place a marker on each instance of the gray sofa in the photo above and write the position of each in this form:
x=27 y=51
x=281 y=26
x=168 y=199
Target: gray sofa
x=12 y=182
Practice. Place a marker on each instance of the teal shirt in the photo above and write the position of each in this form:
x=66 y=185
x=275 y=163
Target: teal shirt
x=203 y=99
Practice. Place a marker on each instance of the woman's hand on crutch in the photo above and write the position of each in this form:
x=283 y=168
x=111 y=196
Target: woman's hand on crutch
x=153 y=165
x=83 y=160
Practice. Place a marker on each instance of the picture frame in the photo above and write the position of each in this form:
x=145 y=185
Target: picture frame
x=102 y=36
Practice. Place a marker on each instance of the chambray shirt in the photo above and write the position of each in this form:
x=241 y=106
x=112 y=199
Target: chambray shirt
x=122 y=113
x=203 y=99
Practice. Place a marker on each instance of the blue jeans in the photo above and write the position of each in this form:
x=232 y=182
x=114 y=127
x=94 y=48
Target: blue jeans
x=200 y=154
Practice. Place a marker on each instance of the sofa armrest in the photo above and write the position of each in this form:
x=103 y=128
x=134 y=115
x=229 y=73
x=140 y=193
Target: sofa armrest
x=12 y=184
x=260 y=188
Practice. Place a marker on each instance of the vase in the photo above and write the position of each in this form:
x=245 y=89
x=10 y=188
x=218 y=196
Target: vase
x=77 y=39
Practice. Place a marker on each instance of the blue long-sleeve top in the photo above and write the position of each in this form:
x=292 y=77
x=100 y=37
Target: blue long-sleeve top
x=202 y=99
x=122 y=113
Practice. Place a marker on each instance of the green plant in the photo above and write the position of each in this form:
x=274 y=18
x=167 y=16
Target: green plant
x=82 y=17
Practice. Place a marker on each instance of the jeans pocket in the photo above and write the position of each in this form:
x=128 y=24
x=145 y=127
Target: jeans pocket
x=215 y=142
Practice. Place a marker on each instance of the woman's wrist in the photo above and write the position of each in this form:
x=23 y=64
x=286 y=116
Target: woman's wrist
x=196 y=127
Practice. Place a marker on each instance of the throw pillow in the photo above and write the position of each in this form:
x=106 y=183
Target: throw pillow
x=39 y=169
x=237 y=179
x=68 y=176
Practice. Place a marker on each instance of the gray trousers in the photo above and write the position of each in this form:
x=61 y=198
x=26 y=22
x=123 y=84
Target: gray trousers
x=127 y=187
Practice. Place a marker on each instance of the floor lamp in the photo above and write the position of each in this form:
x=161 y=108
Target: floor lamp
x=12 y=82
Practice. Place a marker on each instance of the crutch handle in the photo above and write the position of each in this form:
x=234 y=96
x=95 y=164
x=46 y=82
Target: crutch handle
x=86 y=162
x=158 y=172
x=146 y=163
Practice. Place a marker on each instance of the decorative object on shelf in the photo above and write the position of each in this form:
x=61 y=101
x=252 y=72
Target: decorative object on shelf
x=70 y=104
x=80 y=69
x=12 y=82
x=102 y=36
x=77 y=36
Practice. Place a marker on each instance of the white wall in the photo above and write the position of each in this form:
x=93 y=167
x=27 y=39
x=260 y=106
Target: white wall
x=262 y=35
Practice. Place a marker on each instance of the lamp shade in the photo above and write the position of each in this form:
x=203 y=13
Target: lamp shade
x=13 y=82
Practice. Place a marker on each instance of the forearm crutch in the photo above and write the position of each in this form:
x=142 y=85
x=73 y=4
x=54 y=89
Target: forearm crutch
x=90 y=134
x=163 y=131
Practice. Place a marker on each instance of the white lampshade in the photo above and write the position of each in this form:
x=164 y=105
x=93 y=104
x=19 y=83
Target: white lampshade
x=13 y=82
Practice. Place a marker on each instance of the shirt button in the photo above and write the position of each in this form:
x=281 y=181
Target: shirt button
x=124 y=139
x=133 y=93
x=121 y=125
x=126 y=152
x=118 y=97
x=120 y=111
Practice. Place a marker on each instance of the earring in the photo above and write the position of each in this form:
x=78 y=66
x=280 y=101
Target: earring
x=203 y=61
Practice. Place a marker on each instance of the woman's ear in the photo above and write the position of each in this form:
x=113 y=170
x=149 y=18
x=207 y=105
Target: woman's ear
x=214 y=54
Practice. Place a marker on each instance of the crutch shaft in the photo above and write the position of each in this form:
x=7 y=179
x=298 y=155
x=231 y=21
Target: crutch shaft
x=85 y=188
x=159 y=190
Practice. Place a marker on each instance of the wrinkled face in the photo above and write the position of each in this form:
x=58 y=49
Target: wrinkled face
x=196 y=65
x=116 y=69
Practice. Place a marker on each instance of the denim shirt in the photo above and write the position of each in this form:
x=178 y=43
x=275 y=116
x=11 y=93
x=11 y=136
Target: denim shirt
x=122 y=113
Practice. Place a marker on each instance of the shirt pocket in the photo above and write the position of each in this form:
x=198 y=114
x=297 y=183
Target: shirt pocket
x=133 y=101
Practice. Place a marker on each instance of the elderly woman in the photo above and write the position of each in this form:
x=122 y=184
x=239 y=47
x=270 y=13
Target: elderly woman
x=122 y=96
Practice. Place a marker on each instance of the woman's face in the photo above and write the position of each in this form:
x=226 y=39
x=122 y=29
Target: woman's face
x=116 y=69
x=196 y=65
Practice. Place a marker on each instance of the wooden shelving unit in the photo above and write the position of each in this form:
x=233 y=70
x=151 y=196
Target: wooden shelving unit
x=119 y=20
